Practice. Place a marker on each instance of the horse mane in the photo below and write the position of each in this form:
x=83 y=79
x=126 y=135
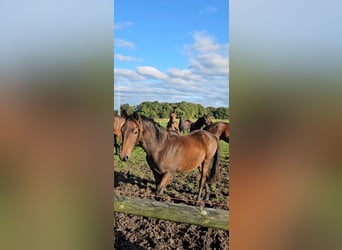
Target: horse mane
x=155 y=126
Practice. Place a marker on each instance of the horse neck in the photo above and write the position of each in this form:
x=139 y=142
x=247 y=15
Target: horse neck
x=153 y=137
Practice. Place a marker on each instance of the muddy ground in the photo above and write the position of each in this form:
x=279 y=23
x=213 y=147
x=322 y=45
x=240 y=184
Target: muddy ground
x=135 y=232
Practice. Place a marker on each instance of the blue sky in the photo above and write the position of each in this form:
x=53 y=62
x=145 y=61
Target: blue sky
x=171 y=51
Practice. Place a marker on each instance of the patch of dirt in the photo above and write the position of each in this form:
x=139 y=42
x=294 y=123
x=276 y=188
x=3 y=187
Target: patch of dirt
x=137 y=232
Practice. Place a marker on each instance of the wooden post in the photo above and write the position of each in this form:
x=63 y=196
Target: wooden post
x=206 y=217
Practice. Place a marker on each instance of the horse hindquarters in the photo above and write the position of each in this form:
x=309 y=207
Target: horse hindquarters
x=215 y=175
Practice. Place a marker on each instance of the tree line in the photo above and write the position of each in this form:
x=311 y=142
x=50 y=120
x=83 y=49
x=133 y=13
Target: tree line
x=186 y=109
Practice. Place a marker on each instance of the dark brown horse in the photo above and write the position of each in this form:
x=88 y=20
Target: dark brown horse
x=168 y=152
x=200 y=123
x=172 y=124
x=220 y=130
x=184 y=126
x=118 y=123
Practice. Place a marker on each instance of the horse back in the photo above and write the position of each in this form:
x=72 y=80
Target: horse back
x=183 y=153
x=197 y=142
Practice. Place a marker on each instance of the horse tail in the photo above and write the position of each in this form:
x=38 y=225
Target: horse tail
x=215 y=175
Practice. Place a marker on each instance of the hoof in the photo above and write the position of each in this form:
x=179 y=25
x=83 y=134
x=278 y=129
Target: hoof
x=200 y=204
x=207 y=197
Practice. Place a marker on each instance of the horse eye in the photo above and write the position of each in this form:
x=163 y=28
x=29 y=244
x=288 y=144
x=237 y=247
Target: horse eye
x=135 y=132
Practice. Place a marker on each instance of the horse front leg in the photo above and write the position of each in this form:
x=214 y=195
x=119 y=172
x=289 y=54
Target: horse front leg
x=166 y=178
x=153 y=167
x=120 y=143
x=207 y=191
x=157 y=178
x=116 y=145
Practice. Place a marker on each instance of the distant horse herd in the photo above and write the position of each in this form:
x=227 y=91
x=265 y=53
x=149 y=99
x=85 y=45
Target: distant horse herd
x=173 y=149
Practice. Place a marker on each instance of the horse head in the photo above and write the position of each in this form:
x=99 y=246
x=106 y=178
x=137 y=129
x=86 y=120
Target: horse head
x=131 y=135
x=207 y=120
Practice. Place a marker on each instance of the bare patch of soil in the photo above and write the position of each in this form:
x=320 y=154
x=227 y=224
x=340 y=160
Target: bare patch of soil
x=136 y=232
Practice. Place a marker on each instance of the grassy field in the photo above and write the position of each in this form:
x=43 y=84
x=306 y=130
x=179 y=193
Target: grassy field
x=136 y=177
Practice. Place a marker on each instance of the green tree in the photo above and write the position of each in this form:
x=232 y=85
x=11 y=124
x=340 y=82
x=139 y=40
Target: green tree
x=127 y=107
x=222 y=113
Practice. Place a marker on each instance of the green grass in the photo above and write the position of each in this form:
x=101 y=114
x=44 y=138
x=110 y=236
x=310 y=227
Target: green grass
x=136 y=164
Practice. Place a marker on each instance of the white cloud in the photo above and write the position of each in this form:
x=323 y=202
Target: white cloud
x=151 y=72
x=210 y=64
x=122 y=25
x=126 y=74
x=205 y=43
x=208 y=9
x=123 y=43
x=184 y=73
x=126 y=58
x=204 y=81
x=208 y=57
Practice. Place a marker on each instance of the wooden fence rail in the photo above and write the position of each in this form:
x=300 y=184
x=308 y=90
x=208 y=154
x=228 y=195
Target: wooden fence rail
x=206 y=217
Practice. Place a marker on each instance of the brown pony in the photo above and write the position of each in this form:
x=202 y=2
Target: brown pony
x=200 y=123
x=184 y=126
x=118 y=123
x=168 y=152
x=172 y=124
x=220 y=130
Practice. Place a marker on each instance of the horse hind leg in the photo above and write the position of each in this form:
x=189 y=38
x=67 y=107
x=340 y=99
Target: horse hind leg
x=204 y=172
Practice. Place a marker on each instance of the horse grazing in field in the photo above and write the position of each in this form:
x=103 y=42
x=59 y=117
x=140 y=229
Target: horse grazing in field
x=200 y=123
x=184 y=126
x=220 y=130
x=172 y=123
x=168 y=152
x=118 y=123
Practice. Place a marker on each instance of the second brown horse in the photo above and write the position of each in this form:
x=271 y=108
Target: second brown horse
x=168 y=152
x=220 y=130
x=184 y=125
x=118 y=123
x=172 y=123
